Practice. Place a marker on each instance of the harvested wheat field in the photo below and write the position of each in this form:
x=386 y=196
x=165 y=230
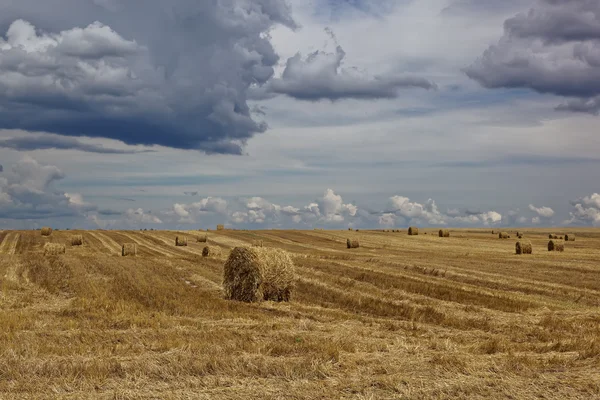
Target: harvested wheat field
x=400 y=317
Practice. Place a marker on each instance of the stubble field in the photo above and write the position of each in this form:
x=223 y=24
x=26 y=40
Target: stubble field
x=401 y=317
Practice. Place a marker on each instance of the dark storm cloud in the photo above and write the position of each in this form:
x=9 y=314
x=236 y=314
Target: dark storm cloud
x=177 y=77
x=554 y=48
x=49 y=141
x=321 y=76
x=190 y=193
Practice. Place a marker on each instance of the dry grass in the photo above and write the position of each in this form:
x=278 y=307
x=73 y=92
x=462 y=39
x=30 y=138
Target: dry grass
x=399 y=318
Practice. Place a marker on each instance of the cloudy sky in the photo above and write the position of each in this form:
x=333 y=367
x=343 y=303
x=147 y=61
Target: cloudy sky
x=299 y=113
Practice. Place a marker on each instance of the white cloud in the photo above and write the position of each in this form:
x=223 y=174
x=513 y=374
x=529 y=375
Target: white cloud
x=544 y=212
x=586 y=211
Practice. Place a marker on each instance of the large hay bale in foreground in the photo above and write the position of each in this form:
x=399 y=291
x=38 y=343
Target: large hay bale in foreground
x=53 y=249
x=180 y=241
x=570 y=237
x=444 y=233
x=220 y=227
x=413 y=231
x=46 y=231
x=503 y=235
x=352 y=244
x=555 y=246
x=524 y=248
x=77 y=240
x=129 y=249
x=211 y=251
x=253 y=274
x=202 y=239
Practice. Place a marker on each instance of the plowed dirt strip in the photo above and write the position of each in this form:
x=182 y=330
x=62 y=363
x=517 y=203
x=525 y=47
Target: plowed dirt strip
x=106 y=241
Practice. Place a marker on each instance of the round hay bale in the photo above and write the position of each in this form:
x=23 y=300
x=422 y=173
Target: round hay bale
x=46 y=231
x=211 y=251
x=202 y=239
x=129 y=249
x=350 y=229
x=524 y=248
x=570 y=237
x=559 y=247
x=253 y=274
x=503 y=235
x=555 y=246
x=352 y=244
x=413 y=231
x=53 y=249
x=180 y=241
x=444 y=233
x=220 y=227
x=77 y=240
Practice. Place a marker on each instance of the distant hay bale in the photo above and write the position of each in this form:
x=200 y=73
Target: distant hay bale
x=253 y=274
x=413 y=231
x=570 y=237
x=350 y=229
x=352 y=244
x=180 y=241
x=220 y=227
x=524 y=248
x=202 y=239
x=53 y=249
x=559 y=247
x=129 y=249
x=503 y=235
x=211 y=251
x=555 y=246
x=46 y=231
x=561 y=238
x=444 y=233
x=77 y=240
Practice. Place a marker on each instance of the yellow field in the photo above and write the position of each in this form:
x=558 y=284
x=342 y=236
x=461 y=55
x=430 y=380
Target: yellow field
x=401 y=317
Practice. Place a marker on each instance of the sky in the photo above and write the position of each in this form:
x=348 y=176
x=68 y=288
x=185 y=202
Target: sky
x=139 y=114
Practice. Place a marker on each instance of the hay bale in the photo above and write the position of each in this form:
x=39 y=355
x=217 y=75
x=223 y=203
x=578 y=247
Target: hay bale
x=524 y=248
x=255 y=274
x=559 y=247
x=129 y=249
x=444 y=233
x=220 y=227
x=555 y=246
x=77 y=240
x=180 y=241
x=53 y=249
x=352 y=244
x=202 y=239
x=211 y=251
x=503 y=235
x=350 y=229
x=46 y=231
x=570 y=237
x=413 y=231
